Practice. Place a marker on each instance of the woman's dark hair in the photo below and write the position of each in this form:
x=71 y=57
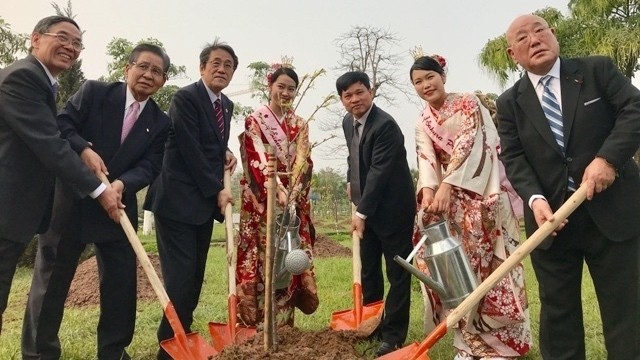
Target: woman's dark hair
x=426 y=63
x=284 y=71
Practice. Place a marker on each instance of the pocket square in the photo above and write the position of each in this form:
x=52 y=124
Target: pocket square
x=587 y=103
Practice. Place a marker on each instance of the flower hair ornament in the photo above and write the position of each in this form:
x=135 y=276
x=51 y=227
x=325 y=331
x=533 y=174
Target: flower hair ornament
x=286 y=61
x=441 y=60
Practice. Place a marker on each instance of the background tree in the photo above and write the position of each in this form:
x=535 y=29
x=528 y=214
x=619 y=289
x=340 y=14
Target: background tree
x=372 y=50
x=12 y=45
x=329 y=196
x=119 y=49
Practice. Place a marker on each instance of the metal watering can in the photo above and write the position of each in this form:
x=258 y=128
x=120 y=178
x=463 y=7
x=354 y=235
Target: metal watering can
x=289 y=259
x=451 y=274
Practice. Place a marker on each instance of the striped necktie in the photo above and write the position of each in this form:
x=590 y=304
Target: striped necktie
x=217 y=107
x=553 y=113
x=55 y=88
x=354 y=179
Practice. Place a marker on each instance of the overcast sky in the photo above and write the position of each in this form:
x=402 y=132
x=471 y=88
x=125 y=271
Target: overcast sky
x=306 y=30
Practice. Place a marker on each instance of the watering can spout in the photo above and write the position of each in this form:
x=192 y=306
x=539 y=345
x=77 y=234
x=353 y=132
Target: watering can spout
x=434 y=285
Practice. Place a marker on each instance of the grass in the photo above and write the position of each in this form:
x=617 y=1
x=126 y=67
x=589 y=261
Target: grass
x=78 y=338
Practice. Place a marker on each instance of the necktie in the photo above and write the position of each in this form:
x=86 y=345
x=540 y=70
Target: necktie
x=219 y=117
x=354 y=165
x=553 y=113
x=129 y=120
x=54 y=88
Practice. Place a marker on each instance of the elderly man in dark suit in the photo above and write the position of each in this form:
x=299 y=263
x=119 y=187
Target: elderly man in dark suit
x=32 y=154
x=189 y=193
x=381 y=188
x=568 y=122
x=116 y=128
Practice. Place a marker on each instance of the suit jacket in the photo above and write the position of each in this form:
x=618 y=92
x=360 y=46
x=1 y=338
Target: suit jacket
x=193 y=167
x=386 y=188
x=601 y=114
x=32 y=154
x=93 y=117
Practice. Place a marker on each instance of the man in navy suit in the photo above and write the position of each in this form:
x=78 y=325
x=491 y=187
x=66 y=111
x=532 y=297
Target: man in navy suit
x=119 y=130
x=381 y=188
x=32 y=154
x=189 y=193
x=598 y=113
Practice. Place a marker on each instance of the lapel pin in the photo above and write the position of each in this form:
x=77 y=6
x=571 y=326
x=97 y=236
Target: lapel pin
x=147 y=129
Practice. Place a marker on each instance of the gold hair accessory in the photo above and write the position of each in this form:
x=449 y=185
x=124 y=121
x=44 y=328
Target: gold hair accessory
x=287 y=61
x=416 y=52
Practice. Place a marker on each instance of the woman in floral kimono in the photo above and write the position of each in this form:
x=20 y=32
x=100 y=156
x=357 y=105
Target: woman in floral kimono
x=459 y=178
x=278 y=126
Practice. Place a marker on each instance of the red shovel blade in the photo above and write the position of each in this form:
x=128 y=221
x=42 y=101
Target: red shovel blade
x=185 y=346
x=230 y=333
x=409 y=352
x=222 y=336
x=417 y=351
x=194 y=348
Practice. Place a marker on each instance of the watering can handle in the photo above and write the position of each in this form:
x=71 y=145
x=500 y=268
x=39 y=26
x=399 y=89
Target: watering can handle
x=442 y=218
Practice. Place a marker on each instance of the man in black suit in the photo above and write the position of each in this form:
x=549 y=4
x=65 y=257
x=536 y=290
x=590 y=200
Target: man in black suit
x=119 y=130
x=189 y=193
x=32 y=154
x=380 y=186
x=599 y=116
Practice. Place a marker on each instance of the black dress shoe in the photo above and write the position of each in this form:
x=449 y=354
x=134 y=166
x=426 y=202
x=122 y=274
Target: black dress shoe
x=386 y=348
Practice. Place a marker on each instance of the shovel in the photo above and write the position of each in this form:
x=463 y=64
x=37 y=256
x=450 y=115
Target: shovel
x=362 y=318
x=230 y=333
x=417 y=351
x=182 y=346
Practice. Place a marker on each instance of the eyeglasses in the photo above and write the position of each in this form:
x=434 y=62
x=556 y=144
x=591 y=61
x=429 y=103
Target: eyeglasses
x=65 y=40
x=524 y=38
x=228 y=66
x=144 y=67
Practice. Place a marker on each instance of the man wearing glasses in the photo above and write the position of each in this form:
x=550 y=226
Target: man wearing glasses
x=189 y=193
x=118 y=130
x=32 y=154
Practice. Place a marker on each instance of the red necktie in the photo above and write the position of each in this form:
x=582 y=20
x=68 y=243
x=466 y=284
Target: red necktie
x=220 y=118
x=131 y=118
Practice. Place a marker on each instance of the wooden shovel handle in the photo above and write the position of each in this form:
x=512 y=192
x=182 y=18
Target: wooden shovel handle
x=143 y=258
x=518 y=255
x=231 y=253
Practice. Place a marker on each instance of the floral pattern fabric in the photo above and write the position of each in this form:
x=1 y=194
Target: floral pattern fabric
x=289 y=136
x=490 y=232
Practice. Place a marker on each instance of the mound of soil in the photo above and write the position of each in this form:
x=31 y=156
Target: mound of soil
x=298 y=344
x=327 y=247
x=85 y=290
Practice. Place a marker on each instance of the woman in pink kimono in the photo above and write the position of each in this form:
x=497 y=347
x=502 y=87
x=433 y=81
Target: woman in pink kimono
x=459 y=178
x=278 y=126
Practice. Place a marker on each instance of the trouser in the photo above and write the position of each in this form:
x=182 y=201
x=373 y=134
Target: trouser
x=56 y=263
x=395 y=322
x=10 y=252
x=183 y=252
x=615 y=269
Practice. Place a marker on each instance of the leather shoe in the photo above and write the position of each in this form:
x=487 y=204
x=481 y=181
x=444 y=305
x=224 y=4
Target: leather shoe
x=386 y=348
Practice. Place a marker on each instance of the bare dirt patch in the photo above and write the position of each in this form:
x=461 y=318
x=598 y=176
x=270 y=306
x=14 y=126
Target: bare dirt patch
x=85 y=290
x=298 y=344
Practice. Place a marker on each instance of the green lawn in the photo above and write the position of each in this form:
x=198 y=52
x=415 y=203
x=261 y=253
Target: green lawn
x=334 y=280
